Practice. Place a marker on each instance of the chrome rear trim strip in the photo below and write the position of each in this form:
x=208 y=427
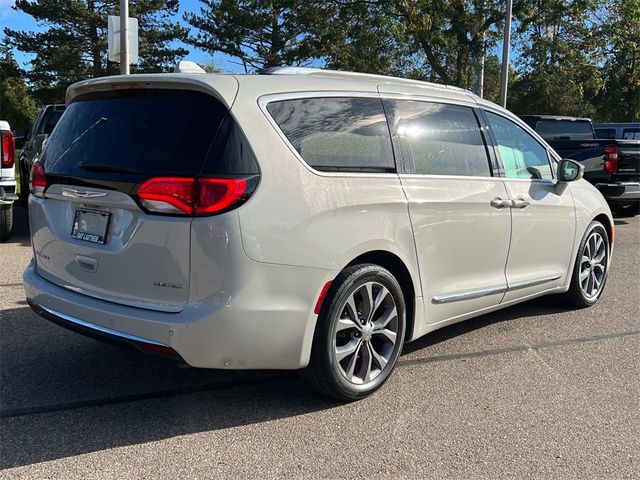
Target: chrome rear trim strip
x=97 y=328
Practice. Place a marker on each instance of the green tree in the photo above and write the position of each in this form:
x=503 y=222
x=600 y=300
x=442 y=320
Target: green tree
x=17 y=106
x=367 y=37
x=261 y=34
x=451 y=34
x=74 y=45
x=559 y=66
x=619 y=100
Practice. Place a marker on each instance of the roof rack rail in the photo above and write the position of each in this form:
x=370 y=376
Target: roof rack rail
x=371 y=76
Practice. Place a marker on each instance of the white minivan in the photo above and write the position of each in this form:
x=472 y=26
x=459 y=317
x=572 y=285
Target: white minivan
x=300 y=219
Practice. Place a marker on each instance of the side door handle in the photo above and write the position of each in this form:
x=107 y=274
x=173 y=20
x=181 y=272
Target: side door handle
x=519 y=203
x=500 y=203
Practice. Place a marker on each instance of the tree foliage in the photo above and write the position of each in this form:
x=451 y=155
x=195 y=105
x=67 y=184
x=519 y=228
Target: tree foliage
x=451 y=34
x=619 y=99
x=260 y=34
x=574 y=57
x=558 y=67
x=17 y=106
x=74 y=45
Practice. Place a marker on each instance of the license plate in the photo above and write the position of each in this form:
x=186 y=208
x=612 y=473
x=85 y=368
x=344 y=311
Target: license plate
x=90 y=225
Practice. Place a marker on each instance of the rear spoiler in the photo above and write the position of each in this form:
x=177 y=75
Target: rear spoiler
x=222 y=86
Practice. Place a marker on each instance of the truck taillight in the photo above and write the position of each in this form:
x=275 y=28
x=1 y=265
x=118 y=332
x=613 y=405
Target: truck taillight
x=37 y=180
x=8 y=149
x=611 y=157
x=193 y=196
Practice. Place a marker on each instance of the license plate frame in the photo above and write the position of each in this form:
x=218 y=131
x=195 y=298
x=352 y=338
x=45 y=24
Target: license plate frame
x=90 y=225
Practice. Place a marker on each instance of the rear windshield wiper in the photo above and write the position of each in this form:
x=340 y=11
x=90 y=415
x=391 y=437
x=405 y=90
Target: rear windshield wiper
x=92 y=167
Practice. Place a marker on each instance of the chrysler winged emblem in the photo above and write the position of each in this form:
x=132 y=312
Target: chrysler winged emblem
x=75 y=193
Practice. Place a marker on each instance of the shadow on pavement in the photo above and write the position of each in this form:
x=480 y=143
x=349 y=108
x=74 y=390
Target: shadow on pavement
x=541 y=306
x=20 y=231
x=56 y=386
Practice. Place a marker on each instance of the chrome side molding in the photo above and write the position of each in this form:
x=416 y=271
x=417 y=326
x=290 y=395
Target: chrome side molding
x=458 y=297
x=533 y=283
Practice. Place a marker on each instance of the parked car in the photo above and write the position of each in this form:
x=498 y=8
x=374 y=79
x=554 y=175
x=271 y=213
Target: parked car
x=622 y=131
x=7 y=179
x=302 y=219
x=613 y=166
x=42 y=127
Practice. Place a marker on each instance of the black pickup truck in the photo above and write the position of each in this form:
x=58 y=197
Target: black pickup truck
x=613 y=166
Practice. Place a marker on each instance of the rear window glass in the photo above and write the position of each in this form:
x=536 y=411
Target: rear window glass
x=567 y=130
x=439 y=139
x=50 y=120
x=129 y=135
x=337 y=134
x=605 y=132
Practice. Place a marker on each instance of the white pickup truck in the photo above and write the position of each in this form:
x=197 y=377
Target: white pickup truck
x=7 y=179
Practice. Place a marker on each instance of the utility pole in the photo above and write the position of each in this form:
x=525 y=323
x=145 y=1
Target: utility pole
x=481 y=74
x=504 y=74
x=124 y=37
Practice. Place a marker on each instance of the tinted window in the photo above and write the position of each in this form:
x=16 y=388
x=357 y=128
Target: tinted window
x=631 y=134
x=605 y=132
x=337 y=134
x=50 y=120
x=564 y=130
x=231 y=153
x=439 y=139
x=127 y=136
x=521 y=154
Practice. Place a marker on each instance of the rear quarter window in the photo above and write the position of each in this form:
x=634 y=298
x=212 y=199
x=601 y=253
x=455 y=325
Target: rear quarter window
x=337 y=134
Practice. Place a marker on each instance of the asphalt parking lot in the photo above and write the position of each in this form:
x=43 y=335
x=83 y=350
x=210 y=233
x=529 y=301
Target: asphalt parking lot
x=534 y=391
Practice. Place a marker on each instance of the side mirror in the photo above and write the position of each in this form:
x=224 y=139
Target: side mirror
x=570 y=170
x=39 y=142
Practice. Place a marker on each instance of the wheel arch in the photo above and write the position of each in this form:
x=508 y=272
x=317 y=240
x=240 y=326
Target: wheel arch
x=608 y=226
x=399 y=269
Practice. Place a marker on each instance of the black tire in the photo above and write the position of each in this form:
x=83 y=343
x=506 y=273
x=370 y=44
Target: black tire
x=576 y=294
x=625 y=209
x=325 y=373
x=6 y=222
x=24 y=185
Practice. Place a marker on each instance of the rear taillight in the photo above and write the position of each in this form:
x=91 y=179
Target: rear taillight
x=37 y=180
x=611 y=157
x=192 y=196
x=8 y=149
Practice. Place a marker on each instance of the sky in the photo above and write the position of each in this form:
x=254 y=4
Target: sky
x=21 y=21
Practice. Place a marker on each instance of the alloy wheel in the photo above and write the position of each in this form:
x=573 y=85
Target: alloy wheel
x=365 y=333
x=593 y=265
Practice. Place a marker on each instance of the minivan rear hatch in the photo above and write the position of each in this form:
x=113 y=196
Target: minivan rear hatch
x=90 y=233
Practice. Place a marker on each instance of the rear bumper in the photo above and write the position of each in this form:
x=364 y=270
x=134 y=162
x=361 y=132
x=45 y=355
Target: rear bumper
x=104 y=334
x=264 y=328
x=8 y=193
x=620 y=191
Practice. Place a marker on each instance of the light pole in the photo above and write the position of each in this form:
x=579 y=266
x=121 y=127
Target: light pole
x=504 y=73
x=124 y=37
x=481 y=75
